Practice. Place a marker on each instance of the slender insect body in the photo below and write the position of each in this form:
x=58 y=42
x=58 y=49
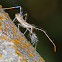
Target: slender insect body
x=22 y=21
x=29 y=27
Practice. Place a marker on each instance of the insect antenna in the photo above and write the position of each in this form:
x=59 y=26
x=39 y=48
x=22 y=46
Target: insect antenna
x=47 y=37
x=13 y=8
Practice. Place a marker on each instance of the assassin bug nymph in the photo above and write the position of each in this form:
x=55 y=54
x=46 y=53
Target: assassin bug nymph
x=28 y=26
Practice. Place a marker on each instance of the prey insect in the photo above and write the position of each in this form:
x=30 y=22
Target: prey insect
x=34 y=39
x=28 y=26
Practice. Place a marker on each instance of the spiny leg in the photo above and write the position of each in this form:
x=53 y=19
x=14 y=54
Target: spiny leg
x=47 y=37
x=13 y=8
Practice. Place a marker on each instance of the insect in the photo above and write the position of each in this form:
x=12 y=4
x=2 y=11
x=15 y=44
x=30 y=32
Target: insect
x=28 y=26
x=34 y=39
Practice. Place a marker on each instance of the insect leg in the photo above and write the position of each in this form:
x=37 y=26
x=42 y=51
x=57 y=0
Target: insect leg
x=48 y=38
x=25 y=16
x=13 y=19
x=13 y=8
x=19 y=25
x=30 y=31
x=25 y=31
x=29 y=34
x=35 y=45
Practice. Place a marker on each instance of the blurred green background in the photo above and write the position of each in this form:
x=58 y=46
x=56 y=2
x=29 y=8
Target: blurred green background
x=46 y=14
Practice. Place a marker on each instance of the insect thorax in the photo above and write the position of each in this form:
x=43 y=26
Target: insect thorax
x=19 y=15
